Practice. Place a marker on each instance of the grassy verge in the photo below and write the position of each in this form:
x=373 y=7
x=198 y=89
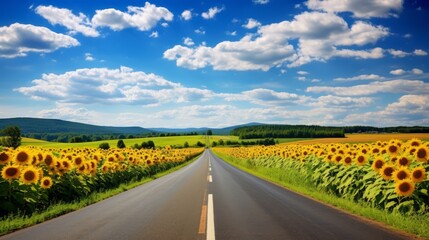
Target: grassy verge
x=415 y=224
x=19 y=221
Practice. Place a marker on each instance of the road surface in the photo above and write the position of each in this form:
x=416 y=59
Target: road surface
x=208 y=199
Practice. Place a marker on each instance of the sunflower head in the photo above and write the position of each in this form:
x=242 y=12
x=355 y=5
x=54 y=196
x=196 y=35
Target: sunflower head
x=46 y=182
x=422 y=154
x=403 y=161
x=387 y=172
x=401 y=174
x=377 y=164
x=10 y=172
x=30 y=175
x=22 y=157
x=361 y=159
x=347 y=160
x=4 y=158
x=418 y=174
x=393 y=149
x=404 y=188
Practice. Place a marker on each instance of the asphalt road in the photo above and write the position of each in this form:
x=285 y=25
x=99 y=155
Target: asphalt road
x=208 y=199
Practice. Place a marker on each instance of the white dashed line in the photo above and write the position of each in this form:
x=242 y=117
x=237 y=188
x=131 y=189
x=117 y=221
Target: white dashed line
x=210 y=219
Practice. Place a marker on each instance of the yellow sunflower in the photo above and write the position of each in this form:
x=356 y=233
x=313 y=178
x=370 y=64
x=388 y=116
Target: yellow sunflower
x=401 y=174
x=377 y=164
x=418 y=174
x=422 y=154
x=10 y=172
x=403 y=161
x=4 y=158
x=387 y=172
x=404 y=188
x=22 y=157
x=361 y=160
x=46 y=182
x=30 y=175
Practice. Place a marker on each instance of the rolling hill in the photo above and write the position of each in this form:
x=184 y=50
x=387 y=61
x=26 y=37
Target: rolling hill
x=55 y=126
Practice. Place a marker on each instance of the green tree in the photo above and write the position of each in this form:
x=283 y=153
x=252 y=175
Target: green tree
x=186 y=145
x=209 y=132
x=120 y=144
x=12 y=137
x=151 y=144
x=104 y=145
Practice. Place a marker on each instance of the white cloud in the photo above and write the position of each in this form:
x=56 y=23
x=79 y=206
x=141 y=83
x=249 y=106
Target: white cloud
x=341 y=102
x=360 y=9
x=186 y=15
x=251 y=23
x=154 y=34
x=142 y=18
x=398 y=72
x=261 y=1
x=70 y=112
x=372 y=77
x=397 y=53
x=65 y=17
x=420 y=52
x=89 y=57
x=106 y=86
x=393 y=86
x=200 y=31
x=211 y=13
x=17 y=40
x=321 y=36
x=408 y=110
x=302 y=72
x=234 y=33
x=417 y=71
x=188 y=41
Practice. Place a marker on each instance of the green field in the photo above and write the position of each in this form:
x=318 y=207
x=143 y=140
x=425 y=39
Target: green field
x=159 y=141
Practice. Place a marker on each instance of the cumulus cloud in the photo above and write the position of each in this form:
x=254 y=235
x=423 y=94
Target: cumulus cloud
x=186 y=15
x=251 y=23
x=398 y=72
x=302 y=72
x=360 y=9
x=393 y=86
x=372 y=77
x=420 y=52
x=408 y=110
x=341 y=102
x=89 y=57
x=417 y=71
x=65 y=17
x=142 y=18
x=321 y=36
x=19 y=39
x=188 y=41
x=106 y=86
x=211 y=13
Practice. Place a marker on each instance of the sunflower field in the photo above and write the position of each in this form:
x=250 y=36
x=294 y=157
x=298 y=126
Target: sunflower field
x=32 y=178
x=390 y=175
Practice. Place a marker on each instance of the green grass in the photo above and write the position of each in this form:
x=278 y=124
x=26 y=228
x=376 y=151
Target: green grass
x=159 y=141
x=292 y=179
x=15 y=222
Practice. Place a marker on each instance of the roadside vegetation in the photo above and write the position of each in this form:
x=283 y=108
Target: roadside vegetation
x=383 y=181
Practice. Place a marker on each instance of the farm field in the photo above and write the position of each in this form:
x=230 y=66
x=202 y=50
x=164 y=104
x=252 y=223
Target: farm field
x=365 y=138
x=159 y=141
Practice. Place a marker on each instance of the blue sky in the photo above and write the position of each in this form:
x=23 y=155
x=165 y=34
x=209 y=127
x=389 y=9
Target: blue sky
x=216 y=63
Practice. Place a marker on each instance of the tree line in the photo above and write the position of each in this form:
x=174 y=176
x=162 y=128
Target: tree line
x=287 y=131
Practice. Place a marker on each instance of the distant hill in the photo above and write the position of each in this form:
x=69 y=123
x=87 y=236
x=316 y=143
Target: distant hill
x=56 y=126
x=215 y=131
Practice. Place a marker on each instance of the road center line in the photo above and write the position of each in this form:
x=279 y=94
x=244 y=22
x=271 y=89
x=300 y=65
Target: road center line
x=210 y=169
x=203 y=220
x=210 y=219
x=210 y=178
